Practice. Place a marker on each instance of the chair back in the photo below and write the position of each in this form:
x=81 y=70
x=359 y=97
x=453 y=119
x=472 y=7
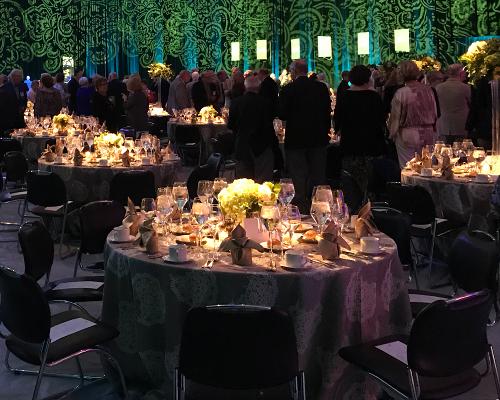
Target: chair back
x=213 y=164
x=224 y=144
x=45 y=189
x=128 y=131
x=9 y=144
x=474 y=259
x=412 y=200
x=38 y=249
x=136 y=184
x=23 y=307
x=397 y=226
x=238 y=347
x=186 y=134
x=448 y=337
x=16 y=166
x=97 y=220
x=208 y=172
x=384 y=170
x=353 y=195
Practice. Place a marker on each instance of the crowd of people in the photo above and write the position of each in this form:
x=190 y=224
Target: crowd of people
x=392 y=112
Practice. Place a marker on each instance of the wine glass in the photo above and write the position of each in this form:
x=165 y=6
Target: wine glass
x=287 y=192
x=214 y=221
x=321 y=213
x=479 y=156
x=219 y=184
x=468 y=147
x=200 y=211
x=165 y=204
x=206 y=191
x=490 y=159
x=294 y=219
x=323 y=193
x=341 y=215
x=148 y=207
x=180 y=194
x=270 y=216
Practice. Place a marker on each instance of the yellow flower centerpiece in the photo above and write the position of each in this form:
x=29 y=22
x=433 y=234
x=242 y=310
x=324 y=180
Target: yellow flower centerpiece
x=208 y=113
x=481 y=58
x=428 y=64
x=62 y=122
x=160 y=70
x=107 y=141
x=243 y=197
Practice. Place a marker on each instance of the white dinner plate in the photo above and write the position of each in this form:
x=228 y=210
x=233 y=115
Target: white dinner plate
x=168 y=260
x=306 y=267
x=129 y=240
x=276 y=249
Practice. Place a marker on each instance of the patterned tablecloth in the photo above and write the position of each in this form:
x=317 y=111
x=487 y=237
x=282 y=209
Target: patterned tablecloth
x=91 y=183
x=460 y=200
x=356 y=300
x=33 y=146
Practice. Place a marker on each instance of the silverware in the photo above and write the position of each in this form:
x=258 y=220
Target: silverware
x=327 y=264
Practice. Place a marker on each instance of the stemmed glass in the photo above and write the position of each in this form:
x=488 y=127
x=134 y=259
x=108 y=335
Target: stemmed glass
x=490 y=159
x=479 y=156
x=323 y=193
x=214 y=221
x=321 y=213
x=165 y=204
x=180 y=194
x=270 y=216
x=206 y=191
x=148 y=207
x=287 y=192
x=293 y=219
x=200 y=211
x=341 y=215
x=219 y=184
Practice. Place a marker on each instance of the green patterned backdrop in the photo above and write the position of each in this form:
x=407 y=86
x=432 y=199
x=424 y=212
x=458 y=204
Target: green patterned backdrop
x=127 y=35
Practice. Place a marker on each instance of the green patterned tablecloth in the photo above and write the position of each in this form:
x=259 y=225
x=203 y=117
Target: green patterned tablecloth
x=358 y=300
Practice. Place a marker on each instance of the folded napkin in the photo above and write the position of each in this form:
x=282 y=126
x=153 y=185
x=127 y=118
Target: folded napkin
x=240 y=246
x=149 y=236
x=446 y=168
x=77 y=158
x=363 y=226
x=158 y=157
x=86 y=147
x=126 y=158
x=59 y=147
x=426 y=158
x=132 y=219
x=330 y=243
x=48 y=154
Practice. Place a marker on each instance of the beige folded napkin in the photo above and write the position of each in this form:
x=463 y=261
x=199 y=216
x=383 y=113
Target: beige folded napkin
x=330 y=243
x=149 y=236
x=77 y=158
x=126 y=158
x=158 y=157
x=240 y=246
x=48 y=154
x=132 y=218
x=363 y=226
x=446 y=168
x=59 y=147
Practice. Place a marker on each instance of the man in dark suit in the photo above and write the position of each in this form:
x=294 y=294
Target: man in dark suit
x=116 y=89
x=344 y=84
x=13 y=100
x=305 y=106
x=251 y=120
x=73 y=86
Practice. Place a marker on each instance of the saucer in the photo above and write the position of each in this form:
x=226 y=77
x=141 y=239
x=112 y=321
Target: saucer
x=373 y=253
x=306 y=267
x=168 y=260
x=130 y=240
x=276 y=249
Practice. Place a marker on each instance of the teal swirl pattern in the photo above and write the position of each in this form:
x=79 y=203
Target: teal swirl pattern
x=36 y=34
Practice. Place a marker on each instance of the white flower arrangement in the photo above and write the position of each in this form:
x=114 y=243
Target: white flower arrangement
x=62 y=121
x=208 y=112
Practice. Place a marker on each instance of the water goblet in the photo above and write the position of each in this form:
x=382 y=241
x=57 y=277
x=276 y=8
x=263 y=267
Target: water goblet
x=180 y=194
x=270 y=216
x=287 y=192
x=321 y=213
x=206 y=191
x=200 y=211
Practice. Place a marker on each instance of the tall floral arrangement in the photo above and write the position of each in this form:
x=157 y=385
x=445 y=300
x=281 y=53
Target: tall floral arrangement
x=481 y=58
x=244 y=196
x=285 y=78
x=428 y=64
x=160 y=70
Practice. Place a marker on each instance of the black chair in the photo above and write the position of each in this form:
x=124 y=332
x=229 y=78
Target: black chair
x=473 y=261
x=38 y=252
x=47 y=193
x=16 y=167
x=6 y=197
x=35 y=335
x=353 y=194
x=189 y=143
x=397 y=226
x=6 y=145
x=128 y=131
x=134 y=184
x=437 y=359
x=224 y=145
x=384 y=170
x=250 y=347
x=418 y=204
x=97 y=220
x=208 y=171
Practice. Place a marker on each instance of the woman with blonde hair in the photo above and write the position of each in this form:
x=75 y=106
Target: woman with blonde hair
x=136 y=105
x=413 y=114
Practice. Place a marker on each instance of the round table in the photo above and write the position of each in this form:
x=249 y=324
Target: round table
x=91 y=183
x=33 y=146
x=354 y=300
x=460 y=200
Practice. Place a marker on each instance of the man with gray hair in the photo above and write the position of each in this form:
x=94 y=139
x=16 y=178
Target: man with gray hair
x=251 y=119
x=13 y=100
x=454 y=101
x=178 y=96
x=305 y=106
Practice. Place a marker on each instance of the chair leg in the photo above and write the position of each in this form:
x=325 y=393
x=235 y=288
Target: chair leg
x=413 y=385
x=431 y=253
x=44 y=352
x=78 y=262
x=63 y=229
x=117 y=367
x=494 y=368
x=302 y=386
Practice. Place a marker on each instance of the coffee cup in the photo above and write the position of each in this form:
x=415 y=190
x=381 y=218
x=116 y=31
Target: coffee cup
x=354 y=218
x=482 y=178
x=370 y=244
x=177 y=252
x=121 y=233
x=103 y=162
x=426 y=172
x=295 y=259
x=146 y=161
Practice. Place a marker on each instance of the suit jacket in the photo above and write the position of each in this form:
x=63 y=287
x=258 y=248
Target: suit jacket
x=269 y=89
x=136 y=107
x=178 y=96
x=48 y=102
x=72 y=86
x=11 y=107
x=454 y=102
x=115 y=90
x=305 y=106
x=251 y=119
